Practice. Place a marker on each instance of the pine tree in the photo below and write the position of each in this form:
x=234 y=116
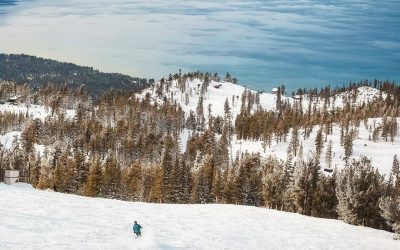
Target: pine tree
x=319 y=144
x=200 y=113
x=184 y=182
x=294 y=142
x=249 y=181
x=156 y=186
x=168 y=167
x=328 y=156
x=390 y=210
x=306 y=180
x=390 y=203
x=203 y=185
x=44 y=179
x=325 y=202
x=93 y=183
x=273 y=183
x=396 y=167
x=359 y=188
x=111 y=179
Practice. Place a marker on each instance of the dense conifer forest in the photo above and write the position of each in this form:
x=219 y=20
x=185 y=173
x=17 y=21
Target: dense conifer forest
x=122 y=146
x=39 y=71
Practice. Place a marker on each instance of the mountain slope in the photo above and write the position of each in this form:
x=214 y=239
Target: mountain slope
x=39 y=71
x=187 y=95
x=47 y=220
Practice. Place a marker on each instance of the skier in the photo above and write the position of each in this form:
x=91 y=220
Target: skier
x=136 y=229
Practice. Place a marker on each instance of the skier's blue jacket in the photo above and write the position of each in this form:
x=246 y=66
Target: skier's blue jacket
x=136 y=228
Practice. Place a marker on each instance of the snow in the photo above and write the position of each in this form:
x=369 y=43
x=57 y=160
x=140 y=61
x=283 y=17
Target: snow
x=32 y=219
x=380 y=152
x=34 y=111
x=7 y=139
x=215 y=97
x=184 y=137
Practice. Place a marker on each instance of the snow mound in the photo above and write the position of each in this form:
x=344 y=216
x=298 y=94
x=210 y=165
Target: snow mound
x=32 y=219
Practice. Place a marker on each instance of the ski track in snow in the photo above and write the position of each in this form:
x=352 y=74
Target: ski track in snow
x=32 y=219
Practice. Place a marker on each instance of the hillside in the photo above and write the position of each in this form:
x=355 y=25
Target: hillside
x=46 y=220
x=188 y=94
x=193 y=139
x=39 y=71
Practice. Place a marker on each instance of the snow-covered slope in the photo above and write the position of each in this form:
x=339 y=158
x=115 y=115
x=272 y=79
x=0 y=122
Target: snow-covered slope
x=218 y=92
x=34 y=111
x=32 y=219
x=380 y=152
x=216 y=95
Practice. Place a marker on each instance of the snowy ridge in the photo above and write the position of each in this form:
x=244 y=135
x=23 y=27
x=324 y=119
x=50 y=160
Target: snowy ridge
x=47 y=220
x=218 y=92
x=216 y=95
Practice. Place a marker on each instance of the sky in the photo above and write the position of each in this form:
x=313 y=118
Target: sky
x=299 y=43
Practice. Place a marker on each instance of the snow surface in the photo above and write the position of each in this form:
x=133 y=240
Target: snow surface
x=34 y=111
x=215 y=97
x=380 y=152
x=32 y=219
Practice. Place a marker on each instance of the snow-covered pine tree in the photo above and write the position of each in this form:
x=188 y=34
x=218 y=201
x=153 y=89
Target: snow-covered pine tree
x=358 y=190
x=328 y=155
x=390 y=204
x=249 y=181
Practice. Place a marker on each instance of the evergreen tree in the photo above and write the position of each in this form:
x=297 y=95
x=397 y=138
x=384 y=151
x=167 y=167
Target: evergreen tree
x=93 y=183
x=44 y=179
x=358 y=191
x=111 y=179
x=249 y=181
x=168 y=167
x=203 y=185
x=319 y=144
x=328 y=156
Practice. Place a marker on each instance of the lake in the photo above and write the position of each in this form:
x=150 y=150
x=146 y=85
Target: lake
x=299 y=43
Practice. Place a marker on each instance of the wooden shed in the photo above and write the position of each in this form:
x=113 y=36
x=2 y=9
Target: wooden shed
x=11 y=176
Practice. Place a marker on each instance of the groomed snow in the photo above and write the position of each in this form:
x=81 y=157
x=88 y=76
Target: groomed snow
x=31 y=219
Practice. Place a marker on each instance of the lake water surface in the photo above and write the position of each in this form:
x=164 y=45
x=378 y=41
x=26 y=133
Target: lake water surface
x=264 y=43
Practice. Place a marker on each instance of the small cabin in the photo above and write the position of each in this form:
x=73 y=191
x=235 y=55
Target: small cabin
x=218 y=86
x=14 y=100
x=297 y=97
x=274 y=91
x=11 y=176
